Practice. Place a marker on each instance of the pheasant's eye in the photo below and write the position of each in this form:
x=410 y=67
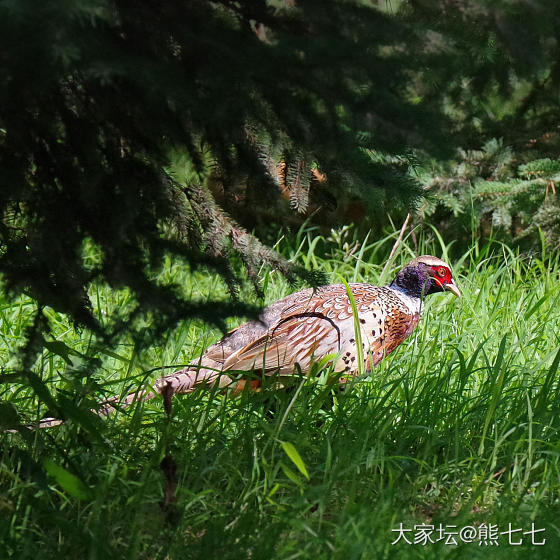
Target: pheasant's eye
x=441 y=271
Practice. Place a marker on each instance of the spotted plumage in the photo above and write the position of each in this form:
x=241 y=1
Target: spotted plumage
x=311 y=324
x=308 y=326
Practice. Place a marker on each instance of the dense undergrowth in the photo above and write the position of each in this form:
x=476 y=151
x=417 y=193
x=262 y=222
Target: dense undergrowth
x=459 y=427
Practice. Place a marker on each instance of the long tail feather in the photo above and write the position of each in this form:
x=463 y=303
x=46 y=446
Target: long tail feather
x=182 y=381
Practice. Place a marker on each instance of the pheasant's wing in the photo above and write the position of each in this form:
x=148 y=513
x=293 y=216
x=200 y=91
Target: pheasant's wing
x=298 y=338
x=248 y=333
x=306 y=326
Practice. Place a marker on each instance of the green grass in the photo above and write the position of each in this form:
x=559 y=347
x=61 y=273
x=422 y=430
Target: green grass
x=458 y=427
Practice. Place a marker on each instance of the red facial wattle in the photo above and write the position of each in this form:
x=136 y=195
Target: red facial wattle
x=442 y=276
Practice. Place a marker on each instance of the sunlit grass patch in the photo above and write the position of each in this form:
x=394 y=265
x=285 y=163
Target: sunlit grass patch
x=459 y=426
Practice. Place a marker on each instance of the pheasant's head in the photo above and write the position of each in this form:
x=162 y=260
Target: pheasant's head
x=425 y=275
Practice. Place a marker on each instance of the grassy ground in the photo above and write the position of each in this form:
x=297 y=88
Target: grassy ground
x=457 y=428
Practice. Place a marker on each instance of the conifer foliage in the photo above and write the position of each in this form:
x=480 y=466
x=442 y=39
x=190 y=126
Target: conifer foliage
x=487 y=192
x=97 y=96
x=120 y=124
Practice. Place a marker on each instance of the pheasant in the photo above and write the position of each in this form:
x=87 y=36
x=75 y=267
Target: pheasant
x=309 y=325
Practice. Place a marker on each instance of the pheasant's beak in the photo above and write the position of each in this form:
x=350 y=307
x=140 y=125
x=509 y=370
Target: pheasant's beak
x=452 y=287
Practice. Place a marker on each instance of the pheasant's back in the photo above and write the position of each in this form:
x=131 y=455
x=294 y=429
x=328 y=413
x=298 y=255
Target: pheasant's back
x=311 y=324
